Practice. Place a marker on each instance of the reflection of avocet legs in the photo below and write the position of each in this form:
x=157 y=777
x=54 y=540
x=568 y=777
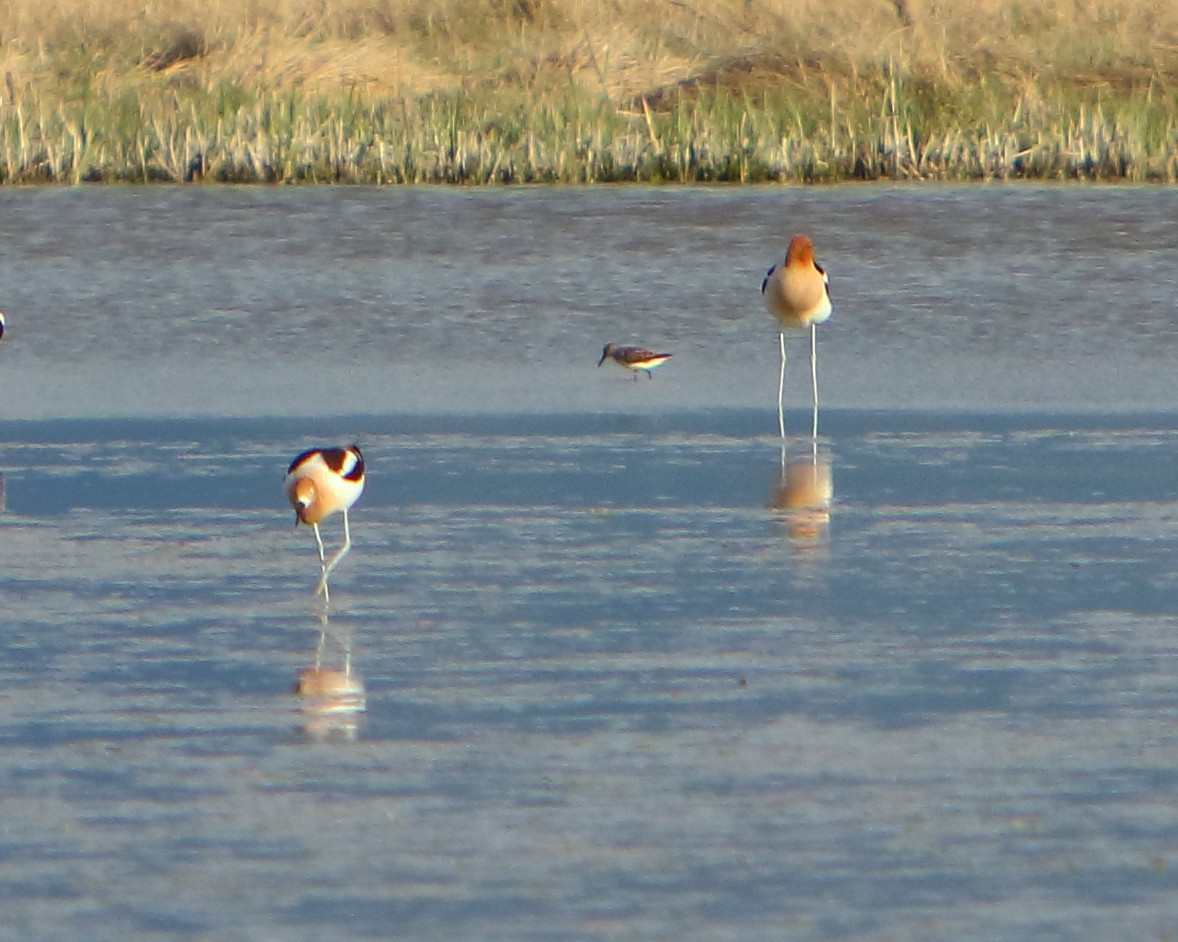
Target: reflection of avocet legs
x=323 y=628
x=342 y=640
x=813 y=453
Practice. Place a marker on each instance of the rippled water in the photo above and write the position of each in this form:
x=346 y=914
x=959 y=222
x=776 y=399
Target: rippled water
x=615 y=688
x=328 y=301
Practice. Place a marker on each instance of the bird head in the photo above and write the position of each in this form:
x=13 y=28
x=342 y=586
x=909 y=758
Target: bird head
x=302 y=498
x=800 y=251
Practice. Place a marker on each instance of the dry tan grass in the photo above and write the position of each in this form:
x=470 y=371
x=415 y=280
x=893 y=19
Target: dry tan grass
x=917 y=85
x=622 y=48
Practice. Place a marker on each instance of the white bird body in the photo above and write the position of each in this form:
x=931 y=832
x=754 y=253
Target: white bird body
x=324 y=481
x=319 y=483
x=796 y=291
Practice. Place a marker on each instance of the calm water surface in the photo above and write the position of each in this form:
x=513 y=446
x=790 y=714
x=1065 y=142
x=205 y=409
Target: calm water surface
x=613 y=690
x=329 y=301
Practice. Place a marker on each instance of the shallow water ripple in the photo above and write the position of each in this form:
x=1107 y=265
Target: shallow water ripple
x=611 y=690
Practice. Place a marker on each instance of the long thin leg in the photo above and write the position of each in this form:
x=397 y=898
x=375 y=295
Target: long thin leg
x=318 y=542
x=781 y=391
x=322 y=587
x=814 y=376
x=335 y=560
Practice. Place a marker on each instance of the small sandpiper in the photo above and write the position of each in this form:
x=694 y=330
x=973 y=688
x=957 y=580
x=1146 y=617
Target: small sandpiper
x=636 y=359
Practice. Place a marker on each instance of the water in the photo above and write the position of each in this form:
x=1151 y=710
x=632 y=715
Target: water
x=342 y=301
x=612 y=690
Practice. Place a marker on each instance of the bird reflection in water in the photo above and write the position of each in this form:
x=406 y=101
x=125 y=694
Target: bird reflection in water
x=332 y=700
x=802 y=496
x=331 y=697
x=321 y=482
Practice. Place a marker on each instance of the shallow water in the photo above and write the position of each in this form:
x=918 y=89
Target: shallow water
x=180 y=301
x=612 y=689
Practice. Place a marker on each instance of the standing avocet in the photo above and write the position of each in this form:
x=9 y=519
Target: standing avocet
x=319 y=483
x=795 y=292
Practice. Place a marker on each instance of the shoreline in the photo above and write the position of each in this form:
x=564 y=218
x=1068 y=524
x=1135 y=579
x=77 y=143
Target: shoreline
x=747 y=423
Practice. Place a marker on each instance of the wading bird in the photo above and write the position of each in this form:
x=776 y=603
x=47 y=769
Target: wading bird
x=319 y=483
x=795 y=292
x=635 y=359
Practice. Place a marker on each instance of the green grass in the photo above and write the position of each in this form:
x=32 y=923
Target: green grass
x=232 y=134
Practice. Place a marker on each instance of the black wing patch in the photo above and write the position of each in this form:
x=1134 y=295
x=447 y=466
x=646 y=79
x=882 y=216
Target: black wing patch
x=768 y=275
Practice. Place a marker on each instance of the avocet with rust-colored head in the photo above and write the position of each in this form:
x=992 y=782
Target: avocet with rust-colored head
x=796 y=292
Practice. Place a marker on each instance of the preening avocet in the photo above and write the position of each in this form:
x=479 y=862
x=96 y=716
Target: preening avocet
x=795 y=292
x=635 y=359
x=319 y=483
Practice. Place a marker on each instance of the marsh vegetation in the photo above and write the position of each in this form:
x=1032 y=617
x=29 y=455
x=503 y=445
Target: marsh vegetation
x=501 y=91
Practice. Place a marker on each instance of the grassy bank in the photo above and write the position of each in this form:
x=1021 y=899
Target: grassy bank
x=485 y=91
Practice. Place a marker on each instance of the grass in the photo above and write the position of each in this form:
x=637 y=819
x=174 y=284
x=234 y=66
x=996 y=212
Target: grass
x=504 y=91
